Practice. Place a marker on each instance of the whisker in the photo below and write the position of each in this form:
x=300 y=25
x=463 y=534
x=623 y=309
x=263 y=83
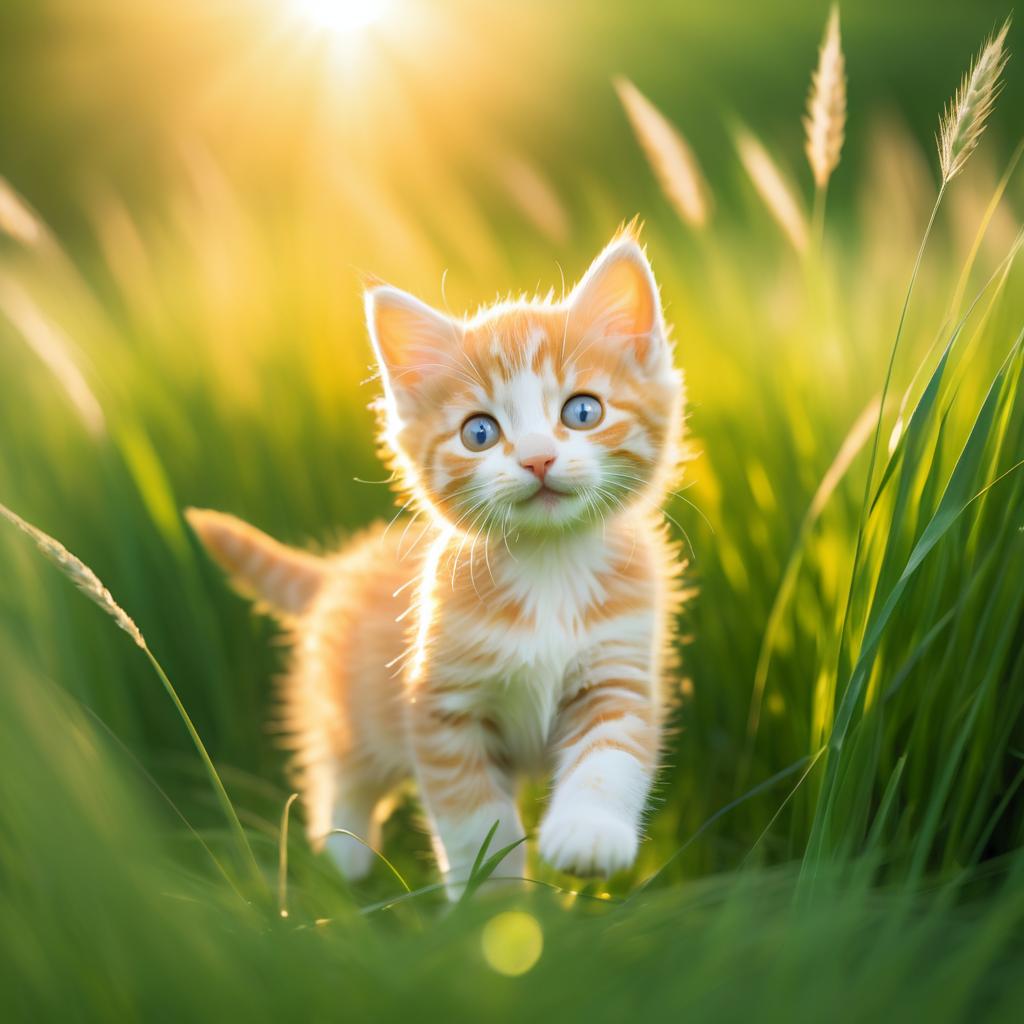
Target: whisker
x=487 y=560
x=387 y=480
x=427 y=528
x=394 y=518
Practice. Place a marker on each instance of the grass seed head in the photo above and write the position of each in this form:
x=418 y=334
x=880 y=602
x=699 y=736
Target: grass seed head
x=967 y=113
x=669 y=155
x=772 y=187
x=78 y=572
x=825 y=122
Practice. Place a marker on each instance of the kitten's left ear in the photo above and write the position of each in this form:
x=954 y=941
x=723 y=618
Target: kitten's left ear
x=417 y=347
x=618 y=299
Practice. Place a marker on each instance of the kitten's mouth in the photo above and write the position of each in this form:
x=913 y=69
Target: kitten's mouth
x=546 y=496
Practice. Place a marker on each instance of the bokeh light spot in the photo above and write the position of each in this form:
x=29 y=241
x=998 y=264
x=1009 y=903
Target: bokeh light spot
x=512 y=942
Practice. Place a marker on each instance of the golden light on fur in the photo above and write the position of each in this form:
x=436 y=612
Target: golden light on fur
x=260 y=568
x=669 y=154
x=529 y=622
x=773 y=188
x=825 y=122
x=967 y=113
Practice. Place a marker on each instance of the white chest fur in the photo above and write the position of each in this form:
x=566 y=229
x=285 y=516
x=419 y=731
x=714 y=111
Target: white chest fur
x=554 y=583
x=534 y=663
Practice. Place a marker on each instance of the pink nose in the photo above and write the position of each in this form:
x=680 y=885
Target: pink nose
x=538 y=465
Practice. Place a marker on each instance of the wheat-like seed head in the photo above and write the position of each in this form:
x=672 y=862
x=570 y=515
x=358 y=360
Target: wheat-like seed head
x=773 y=189
x=964 y=118
x=78 y=572
x=669 y=155
x=825 y=122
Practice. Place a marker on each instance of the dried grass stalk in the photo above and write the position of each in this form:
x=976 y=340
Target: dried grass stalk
x=78 y=572
x=89 y=584
x=825 y=122
x=53 y=348
x=773 y=189
x=535 y=195
x=967 y=113
x=669 y=155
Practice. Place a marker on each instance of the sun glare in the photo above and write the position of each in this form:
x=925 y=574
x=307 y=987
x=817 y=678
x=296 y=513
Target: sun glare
x=341 y=16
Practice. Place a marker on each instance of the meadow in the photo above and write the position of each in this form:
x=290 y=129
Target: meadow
x=838 y=830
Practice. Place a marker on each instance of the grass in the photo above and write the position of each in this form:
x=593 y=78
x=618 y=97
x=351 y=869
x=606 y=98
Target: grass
x=840 y=829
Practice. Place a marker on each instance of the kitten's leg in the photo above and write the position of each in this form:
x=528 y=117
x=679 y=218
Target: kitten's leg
x=464 y=794
x=340 y=796
x=606 y=744
x=355 y=811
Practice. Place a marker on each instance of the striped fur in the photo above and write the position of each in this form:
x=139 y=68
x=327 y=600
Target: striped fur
x=510 y=628
x=281 y=579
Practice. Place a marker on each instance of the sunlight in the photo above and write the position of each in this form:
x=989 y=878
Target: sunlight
x=341 y=16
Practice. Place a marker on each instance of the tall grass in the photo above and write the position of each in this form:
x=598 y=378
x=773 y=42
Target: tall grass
x=840 y=829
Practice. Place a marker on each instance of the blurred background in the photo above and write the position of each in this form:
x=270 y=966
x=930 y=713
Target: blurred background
x=292 y=98
x=190 y=195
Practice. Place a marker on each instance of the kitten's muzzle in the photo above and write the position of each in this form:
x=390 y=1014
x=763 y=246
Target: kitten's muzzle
x=545 y=492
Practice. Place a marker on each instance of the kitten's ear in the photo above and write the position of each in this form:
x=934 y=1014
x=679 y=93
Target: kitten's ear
x=414 y=344
x=618 y=299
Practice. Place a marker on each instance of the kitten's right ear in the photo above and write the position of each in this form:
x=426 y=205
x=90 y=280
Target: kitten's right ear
x=416 y=346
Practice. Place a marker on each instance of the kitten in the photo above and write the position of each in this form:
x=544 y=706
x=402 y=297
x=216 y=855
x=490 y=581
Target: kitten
x=531 y=628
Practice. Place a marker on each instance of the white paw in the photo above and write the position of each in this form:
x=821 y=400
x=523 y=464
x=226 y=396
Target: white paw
x=588 y=842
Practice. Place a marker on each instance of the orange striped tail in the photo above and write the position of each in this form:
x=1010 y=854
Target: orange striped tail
x=283 y=580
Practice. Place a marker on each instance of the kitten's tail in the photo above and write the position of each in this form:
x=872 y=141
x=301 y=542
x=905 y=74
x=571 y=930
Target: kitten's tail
x=283 y=580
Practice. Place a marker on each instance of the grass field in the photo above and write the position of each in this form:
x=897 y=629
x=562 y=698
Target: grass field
x=839 y=830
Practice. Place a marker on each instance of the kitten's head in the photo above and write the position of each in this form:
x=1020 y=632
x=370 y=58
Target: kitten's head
x=533 y=416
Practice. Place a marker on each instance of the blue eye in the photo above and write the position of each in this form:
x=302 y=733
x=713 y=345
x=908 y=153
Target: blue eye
x=480 y=432
x=582 y=412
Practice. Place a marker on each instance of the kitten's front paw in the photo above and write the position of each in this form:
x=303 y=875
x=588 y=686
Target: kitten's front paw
x=588 y=842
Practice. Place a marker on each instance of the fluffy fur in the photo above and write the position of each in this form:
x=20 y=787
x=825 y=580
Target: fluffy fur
x=524 y=624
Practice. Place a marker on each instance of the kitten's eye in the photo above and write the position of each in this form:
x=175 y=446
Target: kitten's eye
x=480 y=432
x=582 y=412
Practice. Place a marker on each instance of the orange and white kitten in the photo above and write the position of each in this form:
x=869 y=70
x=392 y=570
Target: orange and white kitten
x=531 y=629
